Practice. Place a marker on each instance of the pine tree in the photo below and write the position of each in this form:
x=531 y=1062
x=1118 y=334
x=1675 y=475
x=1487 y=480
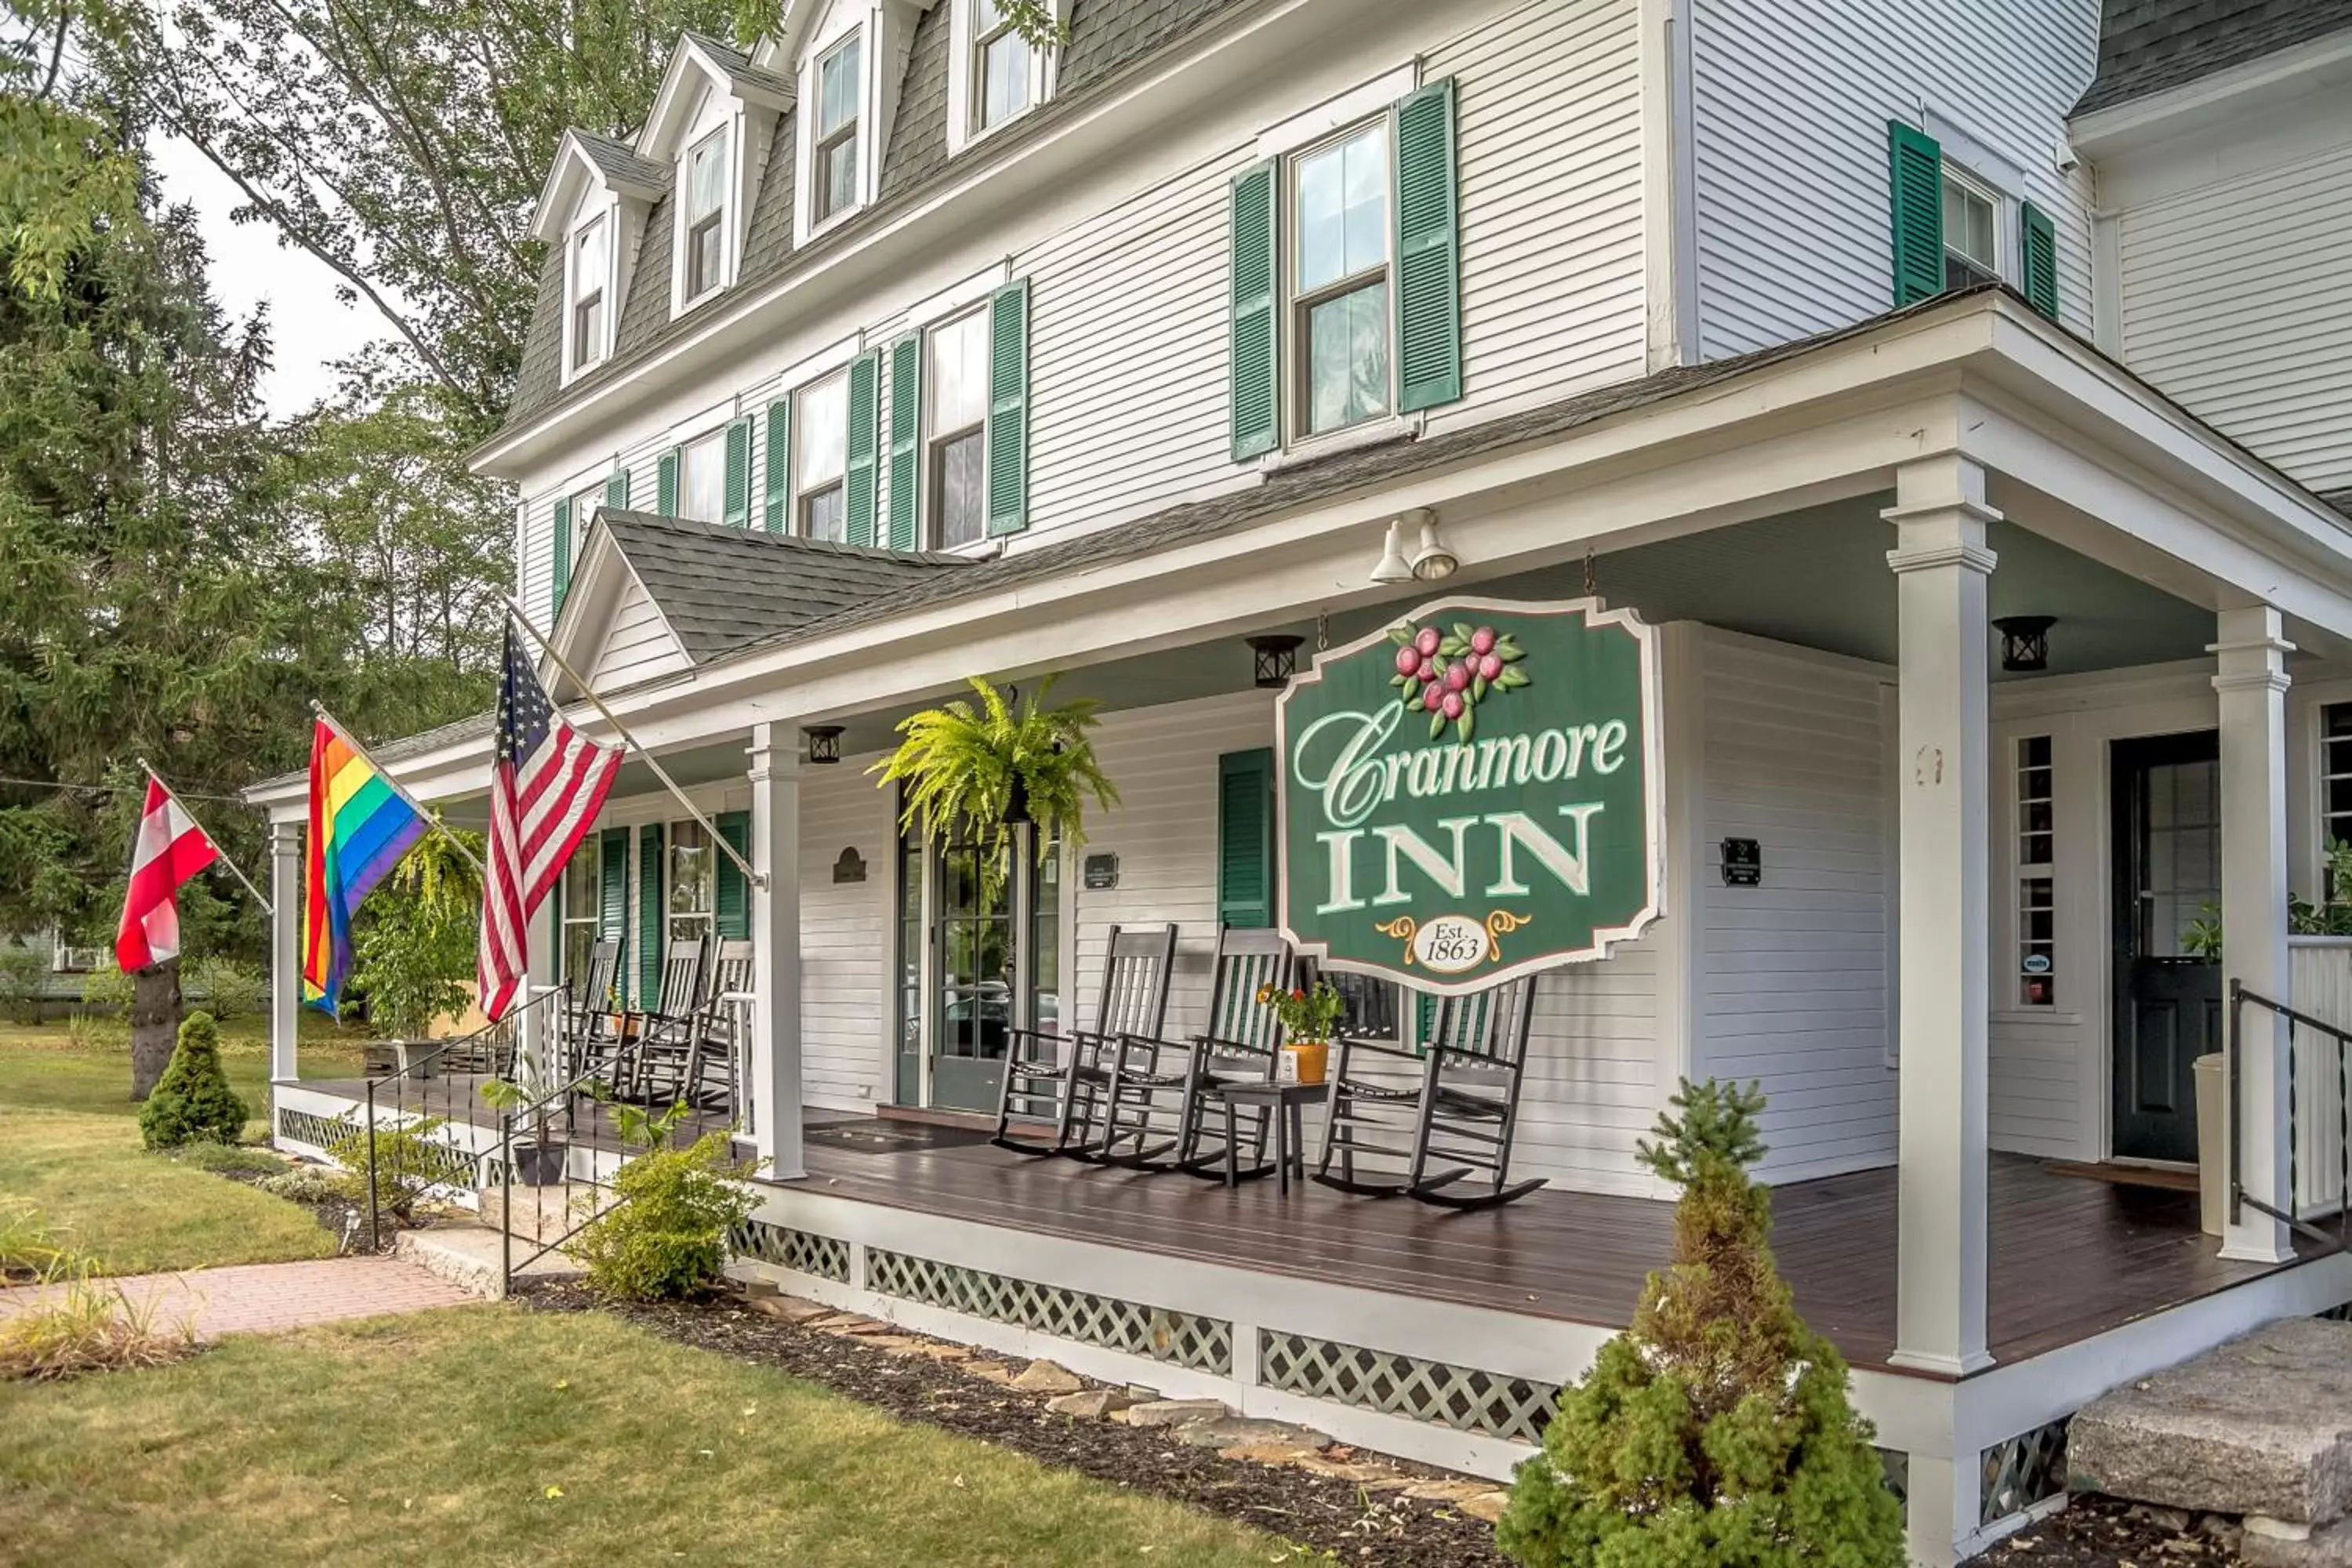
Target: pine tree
x=1715 y=1432
x=192 y=1102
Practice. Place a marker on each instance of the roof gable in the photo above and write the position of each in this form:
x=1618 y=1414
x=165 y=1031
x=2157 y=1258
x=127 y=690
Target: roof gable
x=2148 y=45
x=700 y=63
x=586 y=162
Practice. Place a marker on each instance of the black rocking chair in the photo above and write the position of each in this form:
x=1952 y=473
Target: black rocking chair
x=1159 y=1088
x=1074 y=1092
x=1462 y=1089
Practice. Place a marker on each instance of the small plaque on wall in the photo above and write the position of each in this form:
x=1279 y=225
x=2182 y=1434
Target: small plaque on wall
x=1101 y=871
x=1743 y=863
x=850 y=867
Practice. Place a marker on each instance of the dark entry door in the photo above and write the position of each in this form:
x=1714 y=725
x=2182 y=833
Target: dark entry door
x=2167 y=817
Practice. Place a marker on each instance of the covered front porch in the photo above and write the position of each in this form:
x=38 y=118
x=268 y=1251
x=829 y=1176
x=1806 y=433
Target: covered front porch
x=1929 y=971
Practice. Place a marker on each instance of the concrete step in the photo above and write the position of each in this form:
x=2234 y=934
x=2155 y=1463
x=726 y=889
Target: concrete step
x=470 y=1257
x=541 y=1214
x=2261 y=1427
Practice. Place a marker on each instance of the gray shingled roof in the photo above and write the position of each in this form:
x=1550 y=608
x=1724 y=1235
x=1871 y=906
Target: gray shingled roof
x=721 y=587
x=620 y=161
x=1107 y=37
x=738 y=66
x=2147 y=46
x=2340 y=499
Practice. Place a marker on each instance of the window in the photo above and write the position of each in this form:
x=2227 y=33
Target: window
x=693 y=882
x=821 y=458
x=581 y=908
x=840 y=82
x=583 y=513
x=591 y=263
x=705 y=211
x=1971 y=231
x=2037 y=904
x=1000 y=67
x=1339 y=281
x=2334 y=792
x=702 y=478
x=956 y=420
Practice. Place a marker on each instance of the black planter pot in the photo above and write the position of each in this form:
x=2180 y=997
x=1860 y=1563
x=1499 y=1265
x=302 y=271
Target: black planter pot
x=1016 y=803
x=541 y=1164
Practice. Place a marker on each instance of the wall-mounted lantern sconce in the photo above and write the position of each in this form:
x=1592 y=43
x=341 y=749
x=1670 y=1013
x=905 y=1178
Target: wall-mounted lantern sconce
x=2024 y=643
x=1276 y=657
x=1431 y=561
x=824 y=743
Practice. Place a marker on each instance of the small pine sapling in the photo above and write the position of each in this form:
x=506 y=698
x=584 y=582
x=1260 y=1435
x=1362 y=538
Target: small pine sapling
x=1715 y=1432
x=192 y=1103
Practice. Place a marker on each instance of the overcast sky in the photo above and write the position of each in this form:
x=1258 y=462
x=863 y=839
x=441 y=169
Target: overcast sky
x=308 y=326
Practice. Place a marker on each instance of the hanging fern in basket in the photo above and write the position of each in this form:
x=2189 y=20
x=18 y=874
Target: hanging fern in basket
x=968 y=766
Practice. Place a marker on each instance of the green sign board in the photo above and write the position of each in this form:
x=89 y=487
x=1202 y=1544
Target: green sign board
x=1474 y=792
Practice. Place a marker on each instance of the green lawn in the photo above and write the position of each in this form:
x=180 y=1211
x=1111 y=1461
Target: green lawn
x=69 y=1146
x=491 y=1434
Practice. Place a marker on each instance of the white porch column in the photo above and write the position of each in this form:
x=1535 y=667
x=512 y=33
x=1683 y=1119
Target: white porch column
x=2251 y=679
x=285 y=946
x=1940 y=563
x=775 y=1070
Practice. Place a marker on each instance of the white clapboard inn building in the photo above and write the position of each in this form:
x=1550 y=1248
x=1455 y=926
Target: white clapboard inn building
x=1962 y=393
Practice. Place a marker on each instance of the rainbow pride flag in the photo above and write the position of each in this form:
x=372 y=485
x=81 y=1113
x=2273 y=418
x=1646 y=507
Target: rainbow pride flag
x=359 y=828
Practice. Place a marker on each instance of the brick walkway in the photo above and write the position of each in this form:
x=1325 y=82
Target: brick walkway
x=266 y=1298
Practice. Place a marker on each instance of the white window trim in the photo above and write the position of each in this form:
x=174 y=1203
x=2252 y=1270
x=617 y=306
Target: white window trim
x=929 y=513
x=2004 y=224
x=963 y=98
x=607 y=212
x=840 y=23
x=796 y=389
x=952 y=299
x=731 y=212
x=1298 y=444
x=1337 y=113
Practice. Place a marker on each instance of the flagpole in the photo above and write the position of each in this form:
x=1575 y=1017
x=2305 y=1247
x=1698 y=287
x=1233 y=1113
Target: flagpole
x=169 y=793
x=431 y=818
x=754 y=878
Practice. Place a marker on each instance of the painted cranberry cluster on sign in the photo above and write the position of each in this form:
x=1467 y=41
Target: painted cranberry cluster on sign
x=1446 y=674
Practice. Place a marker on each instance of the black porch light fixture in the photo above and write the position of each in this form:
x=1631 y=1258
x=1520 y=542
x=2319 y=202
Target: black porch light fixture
x=2024 y=643
x=1276 y=657
x=824 y=743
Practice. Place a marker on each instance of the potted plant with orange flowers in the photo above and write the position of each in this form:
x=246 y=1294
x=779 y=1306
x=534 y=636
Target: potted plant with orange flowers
x=1309 y=1016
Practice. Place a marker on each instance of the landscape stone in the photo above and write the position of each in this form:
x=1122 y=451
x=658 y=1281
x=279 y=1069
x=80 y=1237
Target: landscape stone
x=1090 y=1405
x=1487 y=1506
x=1447 y=1492
x=2329 y=1546
x=1044 y=1377
x=941 y=1350
x=1174 y=1412
x=896 y=1344
x=2263 y=1425
x=1243 y=1431
x=791 y=1309
x=993 y=1371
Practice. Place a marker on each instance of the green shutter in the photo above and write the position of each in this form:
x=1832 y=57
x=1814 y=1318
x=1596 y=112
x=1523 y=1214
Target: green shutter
x=2039 y=247
x=865 y=427
x=1245 y=838
x=778 y=486
x=666 y=484
x=649 y=914
x=1008 y=409
x=1916 y=192
x=738 y=473
x=1428 y=252
x=616 y=490
x=733 y=894
x=1255 y=426
x=563 y=579
x=1425 y=1019
x=906 y=442
x=613 y=894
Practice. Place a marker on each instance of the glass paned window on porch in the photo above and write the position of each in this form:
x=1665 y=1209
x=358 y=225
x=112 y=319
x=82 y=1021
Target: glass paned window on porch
x=2336 y=792
x=580 y=907
x=2184 y=853
x=821 y=458
x=692 y=881
x=958 y=421
x=1341 y=290
x=1045 y=939
x=2037 y=910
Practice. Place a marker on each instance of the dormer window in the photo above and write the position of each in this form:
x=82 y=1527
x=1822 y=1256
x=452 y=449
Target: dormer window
x=705 y=234
x=591 y=251
x=1001 y=67
x=840 y=86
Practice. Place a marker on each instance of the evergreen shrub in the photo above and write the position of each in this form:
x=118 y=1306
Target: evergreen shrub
x=191 y=1102
x=665 y=1235
x=1716 y=1431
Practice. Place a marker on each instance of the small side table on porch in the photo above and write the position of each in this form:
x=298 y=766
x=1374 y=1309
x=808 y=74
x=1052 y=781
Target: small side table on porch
x=1286 y=1100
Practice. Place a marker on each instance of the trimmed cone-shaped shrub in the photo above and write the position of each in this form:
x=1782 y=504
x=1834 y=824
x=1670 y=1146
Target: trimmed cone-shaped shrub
x=1715 y=1432
x=192 y=1103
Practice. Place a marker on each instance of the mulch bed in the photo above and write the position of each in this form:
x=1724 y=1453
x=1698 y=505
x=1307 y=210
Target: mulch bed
x=1377 y=1530
x=2107 y=1532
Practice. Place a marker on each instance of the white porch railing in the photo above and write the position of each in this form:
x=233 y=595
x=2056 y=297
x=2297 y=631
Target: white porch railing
x=2319 y=971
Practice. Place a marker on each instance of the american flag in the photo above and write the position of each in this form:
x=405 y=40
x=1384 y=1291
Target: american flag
x=547 y=785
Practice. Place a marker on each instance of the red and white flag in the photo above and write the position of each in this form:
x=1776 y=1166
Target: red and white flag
x=169 y=851
x=547 y=783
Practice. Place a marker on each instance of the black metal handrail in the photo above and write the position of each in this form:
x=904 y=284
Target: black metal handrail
x=2340 y=1238
x=422 y=1088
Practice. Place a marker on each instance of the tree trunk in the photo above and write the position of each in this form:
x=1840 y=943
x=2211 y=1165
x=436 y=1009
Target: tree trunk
x=154 y=1024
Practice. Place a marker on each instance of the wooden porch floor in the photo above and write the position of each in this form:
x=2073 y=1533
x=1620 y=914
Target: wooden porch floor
x=2070 y=1257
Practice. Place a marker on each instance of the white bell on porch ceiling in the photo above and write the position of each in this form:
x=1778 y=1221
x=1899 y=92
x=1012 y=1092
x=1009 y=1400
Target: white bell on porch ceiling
x=1392 y=567
x=1432 y=561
